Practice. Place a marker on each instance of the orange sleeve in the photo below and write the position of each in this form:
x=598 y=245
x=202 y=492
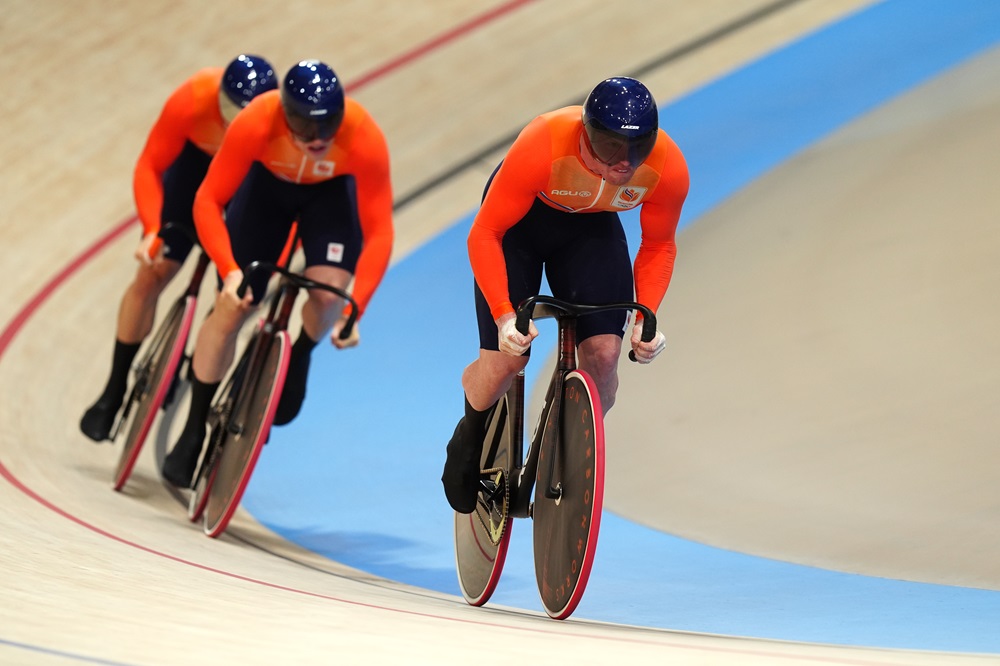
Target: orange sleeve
x=243 y=142
x=374 y=191
x=523 y=174
x=165 y=142
x=654 y=261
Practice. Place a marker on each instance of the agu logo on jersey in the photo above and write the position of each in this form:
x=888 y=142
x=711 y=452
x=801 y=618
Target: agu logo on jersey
x=628 y=197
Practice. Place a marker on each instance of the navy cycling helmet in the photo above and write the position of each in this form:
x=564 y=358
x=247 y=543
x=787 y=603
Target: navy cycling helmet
x=620 y=121
x=246 y=77
x=313 y=100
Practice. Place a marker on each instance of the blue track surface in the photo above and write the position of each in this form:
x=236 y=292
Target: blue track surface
x=356 y=477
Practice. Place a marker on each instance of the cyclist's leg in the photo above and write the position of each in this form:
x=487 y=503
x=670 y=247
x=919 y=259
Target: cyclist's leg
x=137 y=309
x=258 y=228
x=330 y=233
x=138 y=306
x=598 y=355
x=488 y=377
x=594 y=267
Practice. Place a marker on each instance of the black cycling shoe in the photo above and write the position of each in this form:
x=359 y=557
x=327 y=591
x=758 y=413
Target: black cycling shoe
x=294 y=392
x=180 y=463
x=461 y=471
x=98 y=419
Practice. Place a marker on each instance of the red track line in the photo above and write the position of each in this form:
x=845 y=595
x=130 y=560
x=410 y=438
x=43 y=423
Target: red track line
x=437 y=42
x=21 y=318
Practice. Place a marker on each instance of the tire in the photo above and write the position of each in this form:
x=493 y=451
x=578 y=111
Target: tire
x=154 y=376
x=566 y=528
x=245 y=431
x=220 y=412
x=203 y=482
x=481 y=537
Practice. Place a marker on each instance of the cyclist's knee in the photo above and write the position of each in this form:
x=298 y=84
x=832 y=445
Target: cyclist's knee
x=325 y=302
x=150 y=280
x=226 y=319
x=599 y=355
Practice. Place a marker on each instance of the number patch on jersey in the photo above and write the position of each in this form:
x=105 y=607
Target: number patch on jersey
x=335 y=252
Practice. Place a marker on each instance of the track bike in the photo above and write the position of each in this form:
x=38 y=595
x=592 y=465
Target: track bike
x=158 y=370
x=240 y=417
x=559 y=484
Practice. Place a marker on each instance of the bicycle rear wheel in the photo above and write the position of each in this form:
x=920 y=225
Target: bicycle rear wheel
x=203 y=481
x=243 y=434
x=481 y=537
x=566 y=526
x=154 y=376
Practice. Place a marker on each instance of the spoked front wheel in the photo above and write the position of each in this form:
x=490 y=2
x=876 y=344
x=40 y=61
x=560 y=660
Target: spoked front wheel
x=246 y=430
x=569 y=495
x=481 y=537
x=155 y=374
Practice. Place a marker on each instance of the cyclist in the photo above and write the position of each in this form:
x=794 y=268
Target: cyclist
x=173 y=163
x=303 y=153
x=553 y=204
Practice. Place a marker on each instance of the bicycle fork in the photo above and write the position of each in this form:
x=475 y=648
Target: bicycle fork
x=547 y=437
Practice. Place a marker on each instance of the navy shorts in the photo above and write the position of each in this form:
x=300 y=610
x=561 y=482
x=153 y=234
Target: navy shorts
x=261 y=213
x=586 y=261
x=180 y=183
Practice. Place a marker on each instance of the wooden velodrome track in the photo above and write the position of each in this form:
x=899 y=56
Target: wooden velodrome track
x=86 y=577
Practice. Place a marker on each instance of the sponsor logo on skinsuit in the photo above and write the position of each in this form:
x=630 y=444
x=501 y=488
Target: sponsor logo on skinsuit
x=628 y=197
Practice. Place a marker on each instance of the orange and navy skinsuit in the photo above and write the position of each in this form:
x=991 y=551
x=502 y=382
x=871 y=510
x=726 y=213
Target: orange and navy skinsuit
x=260 y=135
x=189 y=122
x=544 y=165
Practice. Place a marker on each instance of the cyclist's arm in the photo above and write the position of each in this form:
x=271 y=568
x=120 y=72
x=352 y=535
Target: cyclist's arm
x=654 y=261
x=374 y=188
x=240 y=147
x=523 y=174
x=163 y=145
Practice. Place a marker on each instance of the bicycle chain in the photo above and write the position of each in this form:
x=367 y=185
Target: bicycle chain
x=495 y=533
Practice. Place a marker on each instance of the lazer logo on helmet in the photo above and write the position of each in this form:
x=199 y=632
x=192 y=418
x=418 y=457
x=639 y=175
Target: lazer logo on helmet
x=630 y=127
x=571 y=193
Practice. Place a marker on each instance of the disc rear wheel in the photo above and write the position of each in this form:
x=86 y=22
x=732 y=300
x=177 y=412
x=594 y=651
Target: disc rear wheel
x=155 y=374
x=481 y=537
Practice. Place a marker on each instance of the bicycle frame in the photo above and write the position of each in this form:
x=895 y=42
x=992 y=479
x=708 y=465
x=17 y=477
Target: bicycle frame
x=235 y=411
x=565 y=460
x=279 y=314
x=523 y=474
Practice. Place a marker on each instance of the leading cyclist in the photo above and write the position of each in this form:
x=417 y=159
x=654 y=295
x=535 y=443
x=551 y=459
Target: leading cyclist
x=553 y=204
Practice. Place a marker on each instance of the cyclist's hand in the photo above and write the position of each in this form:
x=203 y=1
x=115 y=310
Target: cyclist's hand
x=645 y=352
x=510 y=340
x=230 y=286
x=351 y=341
x=150 y=247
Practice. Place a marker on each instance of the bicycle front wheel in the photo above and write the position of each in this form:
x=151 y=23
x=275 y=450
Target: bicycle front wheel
x=569 y=496
x=154 y=376
x=245 y=431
